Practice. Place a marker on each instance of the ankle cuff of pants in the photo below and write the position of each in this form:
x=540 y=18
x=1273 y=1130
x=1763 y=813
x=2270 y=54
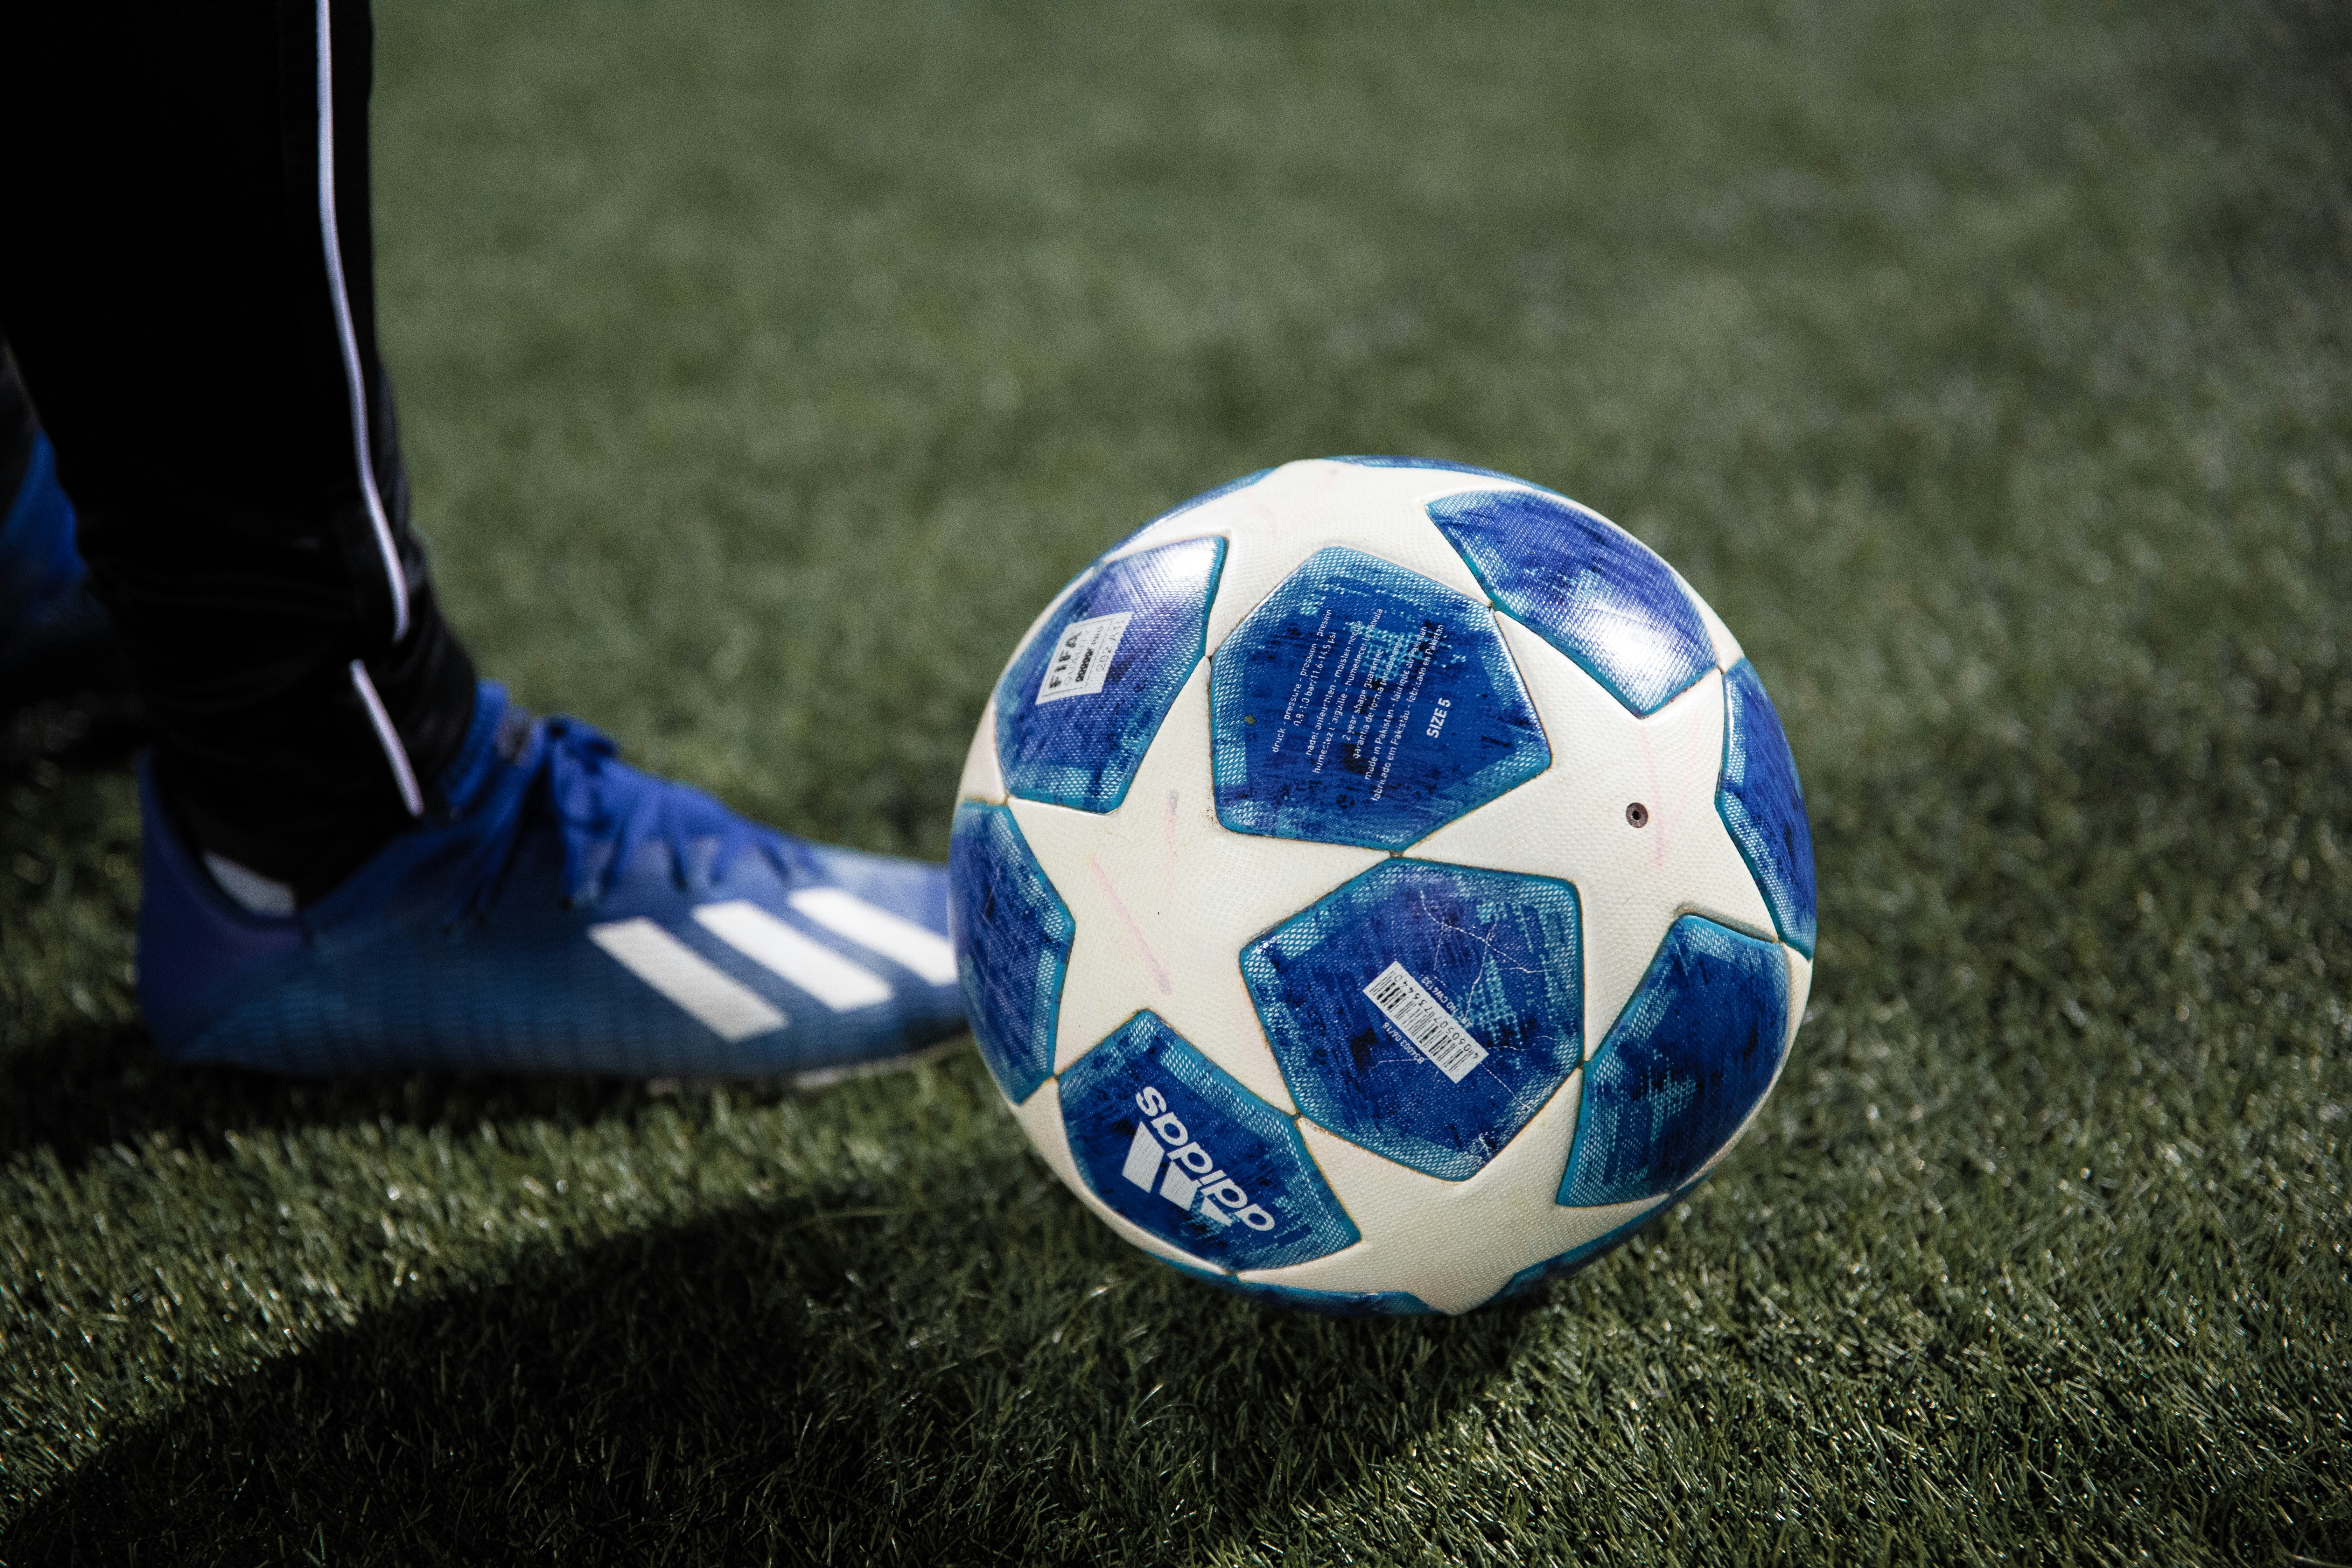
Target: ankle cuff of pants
x=306 y=783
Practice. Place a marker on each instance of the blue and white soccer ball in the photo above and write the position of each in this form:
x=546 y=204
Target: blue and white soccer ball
x=1379 y=884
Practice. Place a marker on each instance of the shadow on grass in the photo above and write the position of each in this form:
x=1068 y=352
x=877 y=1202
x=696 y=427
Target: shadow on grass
x=732 y=1389
x=91 y=1086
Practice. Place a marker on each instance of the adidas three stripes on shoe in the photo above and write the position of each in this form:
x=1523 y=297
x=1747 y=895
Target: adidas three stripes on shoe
x=566 y=912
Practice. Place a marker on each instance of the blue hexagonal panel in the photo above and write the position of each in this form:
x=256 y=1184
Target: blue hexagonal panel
x=1764 y=805
x=1012 y=934
x=1331 y=1303
x=1364 y=704
x=1173 y=1143
x=1204 y=499
x=1425 y=1012
x=1683 y=1066
x=1586 y=586
x=1077 y=710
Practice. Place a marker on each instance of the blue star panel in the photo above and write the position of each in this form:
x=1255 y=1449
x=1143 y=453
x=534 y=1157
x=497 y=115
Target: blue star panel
x=1683 y=1066
x=1171 y=1142
x=1080 y=705
x=1012 y=934
x=1331 y=1303
x=1763 y=804
x=1204 y=499
x=1587 y=587
x=1438 y=1069
x=1364 y=704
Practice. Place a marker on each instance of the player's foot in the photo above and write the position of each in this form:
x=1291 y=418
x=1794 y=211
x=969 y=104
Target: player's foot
x=55 y=638
x=568 y=914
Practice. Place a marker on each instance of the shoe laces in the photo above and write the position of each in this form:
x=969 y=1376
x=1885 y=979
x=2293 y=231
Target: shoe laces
x=608 y=811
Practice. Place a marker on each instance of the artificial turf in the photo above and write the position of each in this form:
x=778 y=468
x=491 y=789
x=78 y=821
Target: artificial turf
x=1987 y=364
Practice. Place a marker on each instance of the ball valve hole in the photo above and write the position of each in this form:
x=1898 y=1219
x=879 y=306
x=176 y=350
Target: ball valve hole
x=1638 y=814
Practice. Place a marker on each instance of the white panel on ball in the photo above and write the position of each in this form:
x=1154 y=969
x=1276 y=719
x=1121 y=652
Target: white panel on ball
x=1571 y=821
x=1165 y=899
x=1271 y=527
x=981 y=780
x=1188 y=522
x=1455 y=1244
x=1801 y=986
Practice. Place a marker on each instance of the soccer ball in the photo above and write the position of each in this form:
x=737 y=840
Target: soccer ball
x=1380 y=886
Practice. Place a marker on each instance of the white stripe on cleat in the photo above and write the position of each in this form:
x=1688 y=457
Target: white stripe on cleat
x=919 y=948
x=732 y=1010
x=799 y=958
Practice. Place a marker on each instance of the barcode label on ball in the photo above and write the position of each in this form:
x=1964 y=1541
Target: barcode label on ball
x=1082 y=657
x=1418 y=1016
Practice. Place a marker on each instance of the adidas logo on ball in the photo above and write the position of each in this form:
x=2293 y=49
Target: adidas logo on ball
x=1192 y=1175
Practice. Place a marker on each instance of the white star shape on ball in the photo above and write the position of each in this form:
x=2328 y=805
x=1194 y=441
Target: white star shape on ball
x=1271 y=528
x=1165 y=899
x=1454 y=1244
x=1572 y=822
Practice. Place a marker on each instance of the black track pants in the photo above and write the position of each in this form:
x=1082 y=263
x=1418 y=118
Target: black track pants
x=186 y=280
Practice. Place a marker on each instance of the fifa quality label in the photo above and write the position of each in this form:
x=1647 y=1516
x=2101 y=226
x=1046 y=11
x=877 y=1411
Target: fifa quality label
x=1423 y=1019
x=1082 y=657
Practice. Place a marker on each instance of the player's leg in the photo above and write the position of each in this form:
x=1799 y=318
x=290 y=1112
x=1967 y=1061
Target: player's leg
x=198 y=354
x=357 y=856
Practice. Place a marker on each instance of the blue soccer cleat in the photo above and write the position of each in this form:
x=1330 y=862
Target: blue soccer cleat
x=568 y=914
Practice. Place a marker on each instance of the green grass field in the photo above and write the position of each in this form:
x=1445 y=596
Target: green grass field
x=766 y=366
